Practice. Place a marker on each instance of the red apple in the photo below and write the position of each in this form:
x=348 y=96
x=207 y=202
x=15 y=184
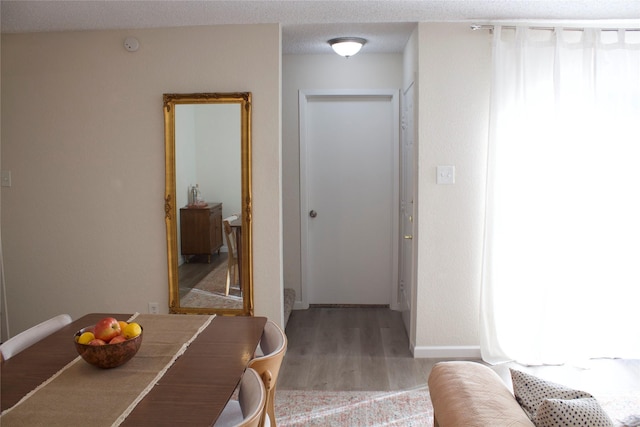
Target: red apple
x=106 y=329
x=96 y=341
x=117 y=339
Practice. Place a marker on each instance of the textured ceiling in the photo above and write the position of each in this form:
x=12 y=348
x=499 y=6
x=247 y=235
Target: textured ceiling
x=307 y=24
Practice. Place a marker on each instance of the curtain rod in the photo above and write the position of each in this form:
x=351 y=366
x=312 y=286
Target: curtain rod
x=512 y=27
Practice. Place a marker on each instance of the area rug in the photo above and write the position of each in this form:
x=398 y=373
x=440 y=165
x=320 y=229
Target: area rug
x=410 y=408
x=216 y=281
x=201 y=299
x=209 y=292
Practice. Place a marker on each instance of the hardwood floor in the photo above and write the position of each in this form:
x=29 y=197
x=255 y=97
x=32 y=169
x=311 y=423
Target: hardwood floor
x=191 y=273
x=350 y=349
x=367 y=349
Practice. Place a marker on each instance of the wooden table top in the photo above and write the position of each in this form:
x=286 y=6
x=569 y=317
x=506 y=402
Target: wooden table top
x=193 y=391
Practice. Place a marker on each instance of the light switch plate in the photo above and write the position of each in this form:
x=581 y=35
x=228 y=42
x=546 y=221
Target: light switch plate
x=6 y=178
x=446 y=175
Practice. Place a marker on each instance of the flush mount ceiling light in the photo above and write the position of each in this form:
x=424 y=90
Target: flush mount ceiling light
x=347 y=46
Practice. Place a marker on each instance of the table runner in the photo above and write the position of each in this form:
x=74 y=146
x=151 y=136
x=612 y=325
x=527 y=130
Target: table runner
x=83 y=395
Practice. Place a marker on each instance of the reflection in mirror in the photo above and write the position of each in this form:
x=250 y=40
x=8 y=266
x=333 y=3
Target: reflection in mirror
x=208 y=202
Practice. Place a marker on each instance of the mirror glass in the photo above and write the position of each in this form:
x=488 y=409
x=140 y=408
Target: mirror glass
x=208 y=202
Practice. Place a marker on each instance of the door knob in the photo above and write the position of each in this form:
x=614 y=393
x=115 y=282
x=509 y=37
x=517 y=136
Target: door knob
x=408 y=236
x=313 y=214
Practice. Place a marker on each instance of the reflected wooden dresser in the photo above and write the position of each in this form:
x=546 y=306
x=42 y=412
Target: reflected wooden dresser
x=201 y=230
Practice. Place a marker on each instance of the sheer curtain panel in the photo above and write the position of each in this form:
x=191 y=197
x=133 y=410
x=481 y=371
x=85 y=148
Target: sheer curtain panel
x=561 y=273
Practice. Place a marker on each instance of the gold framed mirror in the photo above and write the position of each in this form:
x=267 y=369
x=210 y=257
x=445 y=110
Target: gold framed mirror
x=208 y=202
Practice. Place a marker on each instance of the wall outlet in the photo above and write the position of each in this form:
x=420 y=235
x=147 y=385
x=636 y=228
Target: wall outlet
x=6 y=178
x=153 y=308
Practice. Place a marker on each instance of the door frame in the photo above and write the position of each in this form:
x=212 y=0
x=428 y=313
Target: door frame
x=304 y=96
x=407 y=282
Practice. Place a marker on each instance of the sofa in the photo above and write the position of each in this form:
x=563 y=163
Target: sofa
x=471 y=394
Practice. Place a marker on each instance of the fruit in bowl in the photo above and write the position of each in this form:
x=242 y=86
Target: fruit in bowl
x=99 y=346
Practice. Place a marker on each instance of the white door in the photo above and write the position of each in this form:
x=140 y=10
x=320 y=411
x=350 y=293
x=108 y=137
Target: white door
x=407 y=210
x=349 y=144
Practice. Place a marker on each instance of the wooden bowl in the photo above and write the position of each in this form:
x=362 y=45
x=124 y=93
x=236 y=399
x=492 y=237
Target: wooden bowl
x=108 y=355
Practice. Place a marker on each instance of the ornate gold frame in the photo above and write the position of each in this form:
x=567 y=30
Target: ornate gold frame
x=170 y=208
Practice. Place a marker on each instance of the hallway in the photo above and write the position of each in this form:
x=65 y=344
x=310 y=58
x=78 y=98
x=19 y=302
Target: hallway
x=363 y=349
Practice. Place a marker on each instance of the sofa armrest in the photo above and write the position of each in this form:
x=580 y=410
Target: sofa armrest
x=472 y=395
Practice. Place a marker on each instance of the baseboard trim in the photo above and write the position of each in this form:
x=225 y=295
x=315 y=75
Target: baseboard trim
x=348 y=305
x=447 y=352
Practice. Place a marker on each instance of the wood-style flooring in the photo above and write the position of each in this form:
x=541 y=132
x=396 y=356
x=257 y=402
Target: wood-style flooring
x=367 y=349
x=192 y=272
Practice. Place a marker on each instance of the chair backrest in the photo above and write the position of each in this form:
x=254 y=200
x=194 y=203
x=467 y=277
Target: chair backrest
x=252 y=397
x=274 y=346
x=229 y=235
x=17 y=343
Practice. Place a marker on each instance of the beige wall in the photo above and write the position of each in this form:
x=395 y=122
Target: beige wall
x=454 y=82
x=83 y=223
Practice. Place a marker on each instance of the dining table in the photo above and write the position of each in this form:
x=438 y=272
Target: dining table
x=184 y=373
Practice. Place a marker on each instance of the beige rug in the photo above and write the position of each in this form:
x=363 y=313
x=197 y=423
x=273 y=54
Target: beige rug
x=410 y=408
x=216 y=281
x=354 y=408
x=209 y=292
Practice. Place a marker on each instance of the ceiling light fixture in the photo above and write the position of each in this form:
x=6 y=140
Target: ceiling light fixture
x=347 y=46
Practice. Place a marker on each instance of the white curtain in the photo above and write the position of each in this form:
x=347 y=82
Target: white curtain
x=561 y=273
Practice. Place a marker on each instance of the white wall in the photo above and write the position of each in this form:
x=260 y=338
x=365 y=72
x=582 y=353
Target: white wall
x=83 y=223
x=330 y=71
x=454 y=83
x=218 y=158
x=185 y=159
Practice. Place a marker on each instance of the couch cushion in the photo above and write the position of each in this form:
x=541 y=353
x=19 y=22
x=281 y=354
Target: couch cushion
x=549 y=404
x=572 y=413
x=531 y=391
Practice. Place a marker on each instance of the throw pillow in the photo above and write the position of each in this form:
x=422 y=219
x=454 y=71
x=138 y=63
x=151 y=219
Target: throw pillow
x=584 y=412
x=531 y=392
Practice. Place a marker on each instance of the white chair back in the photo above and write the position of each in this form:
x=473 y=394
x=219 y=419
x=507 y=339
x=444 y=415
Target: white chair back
x=17 y=343
x=229 y=235
x=273 y=346
x=248 y=409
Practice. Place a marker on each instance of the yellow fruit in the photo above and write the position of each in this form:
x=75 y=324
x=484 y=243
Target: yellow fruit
x=132 y=330
x=86 y=337
x=122 y=324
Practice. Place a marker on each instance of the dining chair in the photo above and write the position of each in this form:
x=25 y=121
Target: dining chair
x=273 y=346
x=232 y=259
x=248 y=409
x=24 y=339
